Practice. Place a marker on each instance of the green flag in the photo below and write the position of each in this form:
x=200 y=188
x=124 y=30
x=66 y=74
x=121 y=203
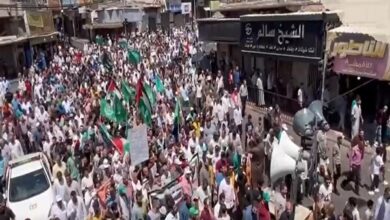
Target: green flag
x=145 y=110
x=159 y=85
x=107 y=138
x=123 y=44
x=149 y=94
x=128 y=92
x=99 y=40
x=87 y=135
x=106 y=110
x=177 y=116
x=119 y=110
x=134 y=56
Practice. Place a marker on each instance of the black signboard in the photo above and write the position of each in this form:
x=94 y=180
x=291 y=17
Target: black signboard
x=301 y=39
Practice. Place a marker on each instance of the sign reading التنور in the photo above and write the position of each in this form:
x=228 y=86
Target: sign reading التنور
x=139 y=150
x=360 y=55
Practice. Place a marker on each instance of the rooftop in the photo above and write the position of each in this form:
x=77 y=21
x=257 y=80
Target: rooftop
x=262 y=4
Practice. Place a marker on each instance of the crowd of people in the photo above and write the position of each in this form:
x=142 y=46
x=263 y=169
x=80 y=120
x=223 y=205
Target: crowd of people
x=197 y=113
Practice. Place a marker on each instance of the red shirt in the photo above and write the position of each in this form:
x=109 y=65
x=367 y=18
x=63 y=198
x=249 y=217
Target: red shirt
x=263 y=212
x=28 y=85
x=360 y=142
x=205 y=215
x=220 y=163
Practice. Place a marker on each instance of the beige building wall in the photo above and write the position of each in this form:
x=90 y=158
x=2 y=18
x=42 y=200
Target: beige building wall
x=365 y=13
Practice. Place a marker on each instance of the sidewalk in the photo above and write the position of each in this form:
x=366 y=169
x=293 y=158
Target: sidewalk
x=332 y=134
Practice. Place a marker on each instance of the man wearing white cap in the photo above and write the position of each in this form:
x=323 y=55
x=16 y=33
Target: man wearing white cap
x=58 y=209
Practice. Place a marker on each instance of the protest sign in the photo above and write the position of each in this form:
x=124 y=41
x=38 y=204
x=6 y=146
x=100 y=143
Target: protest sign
x=138 y=139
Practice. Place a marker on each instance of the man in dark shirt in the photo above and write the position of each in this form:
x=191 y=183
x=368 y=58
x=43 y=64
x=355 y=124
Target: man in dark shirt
x=381 y=123
x=286 y=215
x=5 y=212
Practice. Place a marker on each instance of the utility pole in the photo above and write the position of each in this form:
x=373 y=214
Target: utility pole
x=62 y=19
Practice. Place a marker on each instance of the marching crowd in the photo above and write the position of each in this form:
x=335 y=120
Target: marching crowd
x=73 y=105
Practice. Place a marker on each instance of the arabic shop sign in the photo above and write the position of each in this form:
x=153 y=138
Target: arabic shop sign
x=292 y=38
x=360 y=54
x=174 y=5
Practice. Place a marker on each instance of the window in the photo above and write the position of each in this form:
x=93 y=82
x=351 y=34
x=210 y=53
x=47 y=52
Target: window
x=28 y=185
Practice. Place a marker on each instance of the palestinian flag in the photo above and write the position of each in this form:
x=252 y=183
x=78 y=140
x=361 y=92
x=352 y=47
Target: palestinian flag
x=121 y=144
x=112 y=88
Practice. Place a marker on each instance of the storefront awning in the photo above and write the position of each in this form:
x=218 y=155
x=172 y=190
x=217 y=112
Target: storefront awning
x=103 y=25
x=44 y=38
x=360 y=51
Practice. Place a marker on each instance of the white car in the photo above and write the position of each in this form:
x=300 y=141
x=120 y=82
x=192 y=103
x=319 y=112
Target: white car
x=29 y=188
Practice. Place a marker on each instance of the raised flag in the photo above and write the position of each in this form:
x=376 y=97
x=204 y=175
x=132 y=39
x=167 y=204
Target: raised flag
x=139 y=89
x=147 y=90
x=128 y=92
x=159 y=85
x=120 y=114
x=106 y=110
x=121 y=144
x=145 y=110
x=177 y=114
x=107 y=138
x=134 y=57
x=112 y=88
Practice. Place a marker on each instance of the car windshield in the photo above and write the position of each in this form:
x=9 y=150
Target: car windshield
x=28 y=185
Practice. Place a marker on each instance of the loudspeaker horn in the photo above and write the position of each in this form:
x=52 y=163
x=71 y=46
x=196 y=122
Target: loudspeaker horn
x=281 y=164
x=316 y=107
x=303 y=122
x=288 y=146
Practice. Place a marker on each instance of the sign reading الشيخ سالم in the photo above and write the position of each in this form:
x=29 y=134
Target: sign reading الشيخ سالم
x=360 y=55
x=283 y=38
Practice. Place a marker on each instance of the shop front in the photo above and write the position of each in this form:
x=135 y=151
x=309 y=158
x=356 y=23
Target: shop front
x=284 y=50
x=226 y=33
x=362 y=64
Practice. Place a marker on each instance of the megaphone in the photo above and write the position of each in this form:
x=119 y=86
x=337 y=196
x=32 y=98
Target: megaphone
x=288 y=146
x=281 y=164
x=316 y=107
x=303 y=122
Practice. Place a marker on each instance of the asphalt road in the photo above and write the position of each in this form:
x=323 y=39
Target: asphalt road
x=344 y=193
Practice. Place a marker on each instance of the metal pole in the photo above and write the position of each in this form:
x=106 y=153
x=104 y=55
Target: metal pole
x=325 y=56
x=194 y=9
x=323 y=76
x=62 y=20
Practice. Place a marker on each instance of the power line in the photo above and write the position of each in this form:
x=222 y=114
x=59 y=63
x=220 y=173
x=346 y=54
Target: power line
x=72 y=6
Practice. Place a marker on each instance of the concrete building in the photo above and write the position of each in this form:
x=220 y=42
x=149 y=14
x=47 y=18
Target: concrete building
x=23 y=25
x=361 y=51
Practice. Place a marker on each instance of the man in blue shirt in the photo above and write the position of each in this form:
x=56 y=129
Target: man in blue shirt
x=184 y=210
x=236 y=76
x=250 y=212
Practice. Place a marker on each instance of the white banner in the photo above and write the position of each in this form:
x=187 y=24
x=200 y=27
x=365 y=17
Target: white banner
x=186 y=8
x=139 y=150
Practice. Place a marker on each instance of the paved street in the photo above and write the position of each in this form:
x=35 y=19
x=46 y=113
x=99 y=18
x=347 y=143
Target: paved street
x=338 y=200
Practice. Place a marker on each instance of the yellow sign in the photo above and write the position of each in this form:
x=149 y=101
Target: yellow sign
x=35 y=20
x=370 y=48
x=214 y=5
